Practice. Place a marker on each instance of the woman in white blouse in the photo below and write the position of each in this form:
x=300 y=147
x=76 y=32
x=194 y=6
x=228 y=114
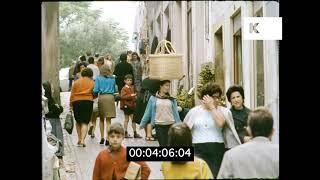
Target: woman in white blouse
x=212 y=127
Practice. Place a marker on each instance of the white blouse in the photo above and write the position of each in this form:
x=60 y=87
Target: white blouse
x=203 y=127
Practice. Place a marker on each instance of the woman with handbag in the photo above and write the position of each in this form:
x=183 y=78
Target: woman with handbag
x=54 y=117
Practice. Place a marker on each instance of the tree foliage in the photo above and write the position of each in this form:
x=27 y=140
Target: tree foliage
x=81 y=29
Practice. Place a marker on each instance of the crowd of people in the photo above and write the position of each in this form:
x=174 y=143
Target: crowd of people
x=228 y=143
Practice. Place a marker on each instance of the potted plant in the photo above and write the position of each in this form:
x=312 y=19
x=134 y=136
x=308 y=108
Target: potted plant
x=206 y=75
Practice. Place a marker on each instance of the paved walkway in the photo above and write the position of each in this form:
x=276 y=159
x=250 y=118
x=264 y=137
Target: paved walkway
x=79 y=162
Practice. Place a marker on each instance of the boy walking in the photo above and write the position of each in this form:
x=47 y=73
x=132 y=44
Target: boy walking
x=111 y=163
x=128 y=104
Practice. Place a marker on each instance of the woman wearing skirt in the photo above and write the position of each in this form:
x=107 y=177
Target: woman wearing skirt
x=81 y=102
x=105 y=87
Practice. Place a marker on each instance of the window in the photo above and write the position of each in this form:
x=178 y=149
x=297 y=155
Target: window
x=259 y=72
x=237 y=40
x=237 y=50
x=218 y=59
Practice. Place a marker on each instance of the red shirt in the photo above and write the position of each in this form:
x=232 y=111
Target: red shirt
x=126 y=98
x=106 y=165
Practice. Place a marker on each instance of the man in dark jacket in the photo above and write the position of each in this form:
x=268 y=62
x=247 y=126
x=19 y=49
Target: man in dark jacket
x=122 y=69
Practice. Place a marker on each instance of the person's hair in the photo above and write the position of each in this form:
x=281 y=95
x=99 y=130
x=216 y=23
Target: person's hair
x=128 y=76
x=47 y=89
x=87 y=72
x=129 y=52
x=123 y=57
x=101 y=59
x=116 y=128
x=105 y=70
x=96 y=55
x=162 y=82
x=233 y=89
x=179 y=135
x=48 y=93
x=209 y=89
x=260 y=122
x=82 y=58
x=134 y=53
x=80 y=64
x=91 y=60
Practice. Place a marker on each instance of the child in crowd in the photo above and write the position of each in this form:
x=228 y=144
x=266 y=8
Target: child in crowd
x=180 y=135
x=111 y=163
x=128 y=104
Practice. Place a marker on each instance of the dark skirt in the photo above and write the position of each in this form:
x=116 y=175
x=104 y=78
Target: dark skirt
x=127 y=111
x=82 y=111
x=212 y=153
x=141 y=105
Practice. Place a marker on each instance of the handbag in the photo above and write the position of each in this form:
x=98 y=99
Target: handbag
x=133 y=171
x=68 y=123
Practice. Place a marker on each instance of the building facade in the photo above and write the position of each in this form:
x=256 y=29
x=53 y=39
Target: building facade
x=210 y=32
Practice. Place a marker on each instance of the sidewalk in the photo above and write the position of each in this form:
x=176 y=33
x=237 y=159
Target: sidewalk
x=79 y=162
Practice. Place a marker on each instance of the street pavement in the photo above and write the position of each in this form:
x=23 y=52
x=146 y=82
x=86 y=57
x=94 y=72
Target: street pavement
x=79 y=161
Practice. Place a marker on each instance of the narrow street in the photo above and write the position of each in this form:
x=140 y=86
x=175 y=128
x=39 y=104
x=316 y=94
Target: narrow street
x=79 y=162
